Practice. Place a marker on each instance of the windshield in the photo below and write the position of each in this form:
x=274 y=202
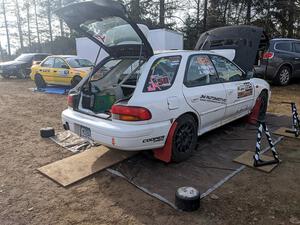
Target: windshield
x=112 y=31
x=78 y=63
x=24 y=57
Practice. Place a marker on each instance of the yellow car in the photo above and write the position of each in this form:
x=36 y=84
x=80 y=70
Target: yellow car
x=60 y=70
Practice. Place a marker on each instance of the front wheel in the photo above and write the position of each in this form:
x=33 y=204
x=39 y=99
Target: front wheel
x=22 y=74
x=184 y=139
x=39 y=81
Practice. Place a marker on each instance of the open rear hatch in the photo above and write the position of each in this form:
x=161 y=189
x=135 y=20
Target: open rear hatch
x=242 y=44
x=106 y=23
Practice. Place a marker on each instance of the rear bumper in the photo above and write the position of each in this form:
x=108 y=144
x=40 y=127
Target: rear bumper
x=267 y=72
x=129 y=137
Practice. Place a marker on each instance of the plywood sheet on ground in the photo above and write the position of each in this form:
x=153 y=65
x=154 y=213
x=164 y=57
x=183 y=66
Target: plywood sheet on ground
x=281 y=131
x=74 y=168
x=247 y=159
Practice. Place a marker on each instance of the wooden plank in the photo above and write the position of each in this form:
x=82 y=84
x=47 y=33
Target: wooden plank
x=74 y=168
x=247 y=159
x=281 y=131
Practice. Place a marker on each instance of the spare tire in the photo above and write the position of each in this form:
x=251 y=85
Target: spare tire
x=187 y=199
x=47 y=132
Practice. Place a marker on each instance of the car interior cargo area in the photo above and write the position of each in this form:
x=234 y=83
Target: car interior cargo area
x=113 y=83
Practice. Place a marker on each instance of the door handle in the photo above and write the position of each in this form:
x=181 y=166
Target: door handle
x=54 y=71
x=230 y=92
x=296 y=58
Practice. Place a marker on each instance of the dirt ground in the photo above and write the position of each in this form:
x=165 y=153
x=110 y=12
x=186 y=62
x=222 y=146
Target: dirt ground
x=28 y=197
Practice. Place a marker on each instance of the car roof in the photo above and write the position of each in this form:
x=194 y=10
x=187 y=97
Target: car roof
x=186 y=52
x=65 y=56
x=285 y=39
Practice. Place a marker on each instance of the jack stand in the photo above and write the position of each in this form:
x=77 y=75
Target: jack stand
x=257 y=161
x=295 y=121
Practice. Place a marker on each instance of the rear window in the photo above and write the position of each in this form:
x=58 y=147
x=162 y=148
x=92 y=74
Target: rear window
x=283 y=46
x=297 y=47
x=162 y=73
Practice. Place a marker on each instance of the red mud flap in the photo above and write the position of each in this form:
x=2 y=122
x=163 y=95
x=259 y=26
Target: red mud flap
x=253 y=116
x=165 y=153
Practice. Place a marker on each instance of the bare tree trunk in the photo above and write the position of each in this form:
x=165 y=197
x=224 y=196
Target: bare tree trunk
x=225 y=12
x=49 y=20
x=248 y=15
x=37 y=24
x=19 y=25
x=6 y=28
x=61 y=23
x=162 y=12
x=135 y=10
x=205 y=16
x=1 y=52
x=28 y=24
x=198 y=2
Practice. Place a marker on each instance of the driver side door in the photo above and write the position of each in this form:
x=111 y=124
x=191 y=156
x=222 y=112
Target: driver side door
x=239 y=90
x=61 y=73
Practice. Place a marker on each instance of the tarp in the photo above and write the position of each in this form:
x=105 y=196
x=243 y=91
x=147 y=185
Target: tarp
x=209 y=167
x=60 y=90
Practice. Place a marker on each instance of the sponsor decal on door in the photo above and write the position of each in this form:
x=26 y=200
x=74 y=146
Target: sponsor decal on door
x=245 y=89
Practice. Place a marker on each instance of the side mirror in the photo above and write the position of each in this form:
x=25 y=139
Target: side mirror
x=64 y=66
x=250 y=74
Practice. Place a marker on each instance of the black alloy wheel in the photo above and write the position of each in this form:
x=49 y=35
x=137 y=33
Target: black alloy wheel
x=184 y=139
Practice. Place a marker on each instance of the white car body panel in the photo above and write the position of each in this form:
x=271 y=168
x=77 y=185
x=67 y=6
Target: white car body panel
x=168 y=105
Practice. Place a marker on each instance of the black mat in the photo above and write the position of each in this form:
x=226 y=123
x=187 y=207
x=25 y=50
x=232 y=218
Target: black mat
x=209 y=167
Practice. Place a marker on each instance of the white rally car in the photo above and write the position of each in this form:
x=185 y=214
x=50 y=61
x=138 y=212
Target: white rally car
x=137 y=100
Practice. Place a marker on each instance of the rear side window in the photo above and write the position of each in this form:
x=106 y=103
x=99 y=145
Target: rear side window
x=162 y=73
x=200 y=72
x=283 y=46
x=297 y=47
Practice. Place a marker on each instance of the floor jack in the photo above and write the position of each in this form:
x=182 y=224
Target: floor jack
x=257 y=161
x=295 y=121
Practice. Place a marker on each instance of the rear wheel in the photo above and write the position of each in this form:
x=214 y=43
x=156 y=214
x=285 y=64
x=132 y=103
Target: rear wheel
x=75 y=81
x=283 y=76
x=39 y=81
x=184 y=139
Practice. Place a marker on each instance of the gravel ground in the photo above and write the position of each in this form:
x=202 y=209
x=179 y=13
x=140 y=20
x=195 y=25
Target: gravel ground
x=27 y=197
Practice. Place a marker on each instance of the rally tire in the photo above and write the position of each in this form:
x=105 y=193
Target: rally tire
x=263 y=97
x=47 y=132
x=39 y=81
x=184 y=138
x=283 y=76
x=187 y=199
x=75 y=80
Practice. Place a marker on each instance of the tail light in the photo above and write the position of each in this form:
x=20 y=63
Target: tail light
x=130 y=113
x=268 y=55
x=36 y=63
x=70 y=100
